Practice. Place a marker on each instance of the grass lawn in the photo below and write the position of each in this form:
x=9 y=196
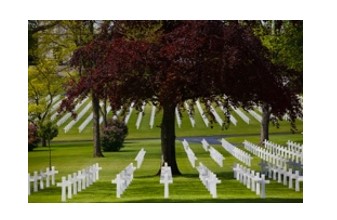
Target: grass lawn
x=72 y=151
x=70 y=156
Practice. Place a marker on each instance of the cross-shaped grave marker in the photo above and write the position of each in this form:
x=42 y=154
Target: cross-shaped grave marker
x=166 y=178
x=64 y=184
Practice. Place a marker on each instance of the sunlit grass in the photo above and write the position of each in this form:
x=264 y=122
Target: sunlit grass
x=69 y=157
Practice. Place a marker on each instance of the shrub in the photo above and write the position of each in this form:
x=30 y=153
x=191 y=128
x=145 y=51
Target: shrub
x=47 y=131
x=113 y=135
x=33 y=138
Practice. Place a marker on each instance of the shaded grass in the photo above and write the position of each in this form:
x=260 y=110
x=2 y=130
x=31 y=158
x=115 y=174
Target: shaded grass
x=186 y=129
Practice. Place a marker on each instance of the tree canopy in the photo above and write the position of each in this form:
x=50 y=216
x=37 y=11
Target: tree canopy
x=168 y=62
x=186 y=60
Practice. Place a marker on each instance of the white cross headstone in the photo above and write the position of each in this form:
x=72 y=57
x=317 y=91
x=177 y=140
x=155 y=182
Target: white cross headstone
x=69 y=186
x=252 y=180
x=52 y=174
x=74 y=182
x=35 y=179
x=84 y=180
x=28 y=183
x=118 y=181
x=279 y=172
x=140 y=157
x=248 y=178
x=236 y=170
x=166 y=179
x=212 y=181
x=292 y=177
x=47 y=177
x=297 y=183
x=97 y=169
x=287 y=174
x=263 y=186
x=42 y=175
x=79 y=180
x=256 y=186
x=64 y=184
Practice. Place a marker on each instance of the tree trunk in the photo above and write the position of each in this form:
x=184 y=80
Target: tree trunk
x=43 y=142
x=105 y=115
x=49 y=154
x=96 y=130
x=168 y=138
x=266 y=111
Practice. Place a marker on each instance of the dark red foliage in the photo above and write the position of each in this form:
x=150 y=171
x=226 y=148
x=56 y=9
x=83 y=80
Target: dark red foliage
x=190 y=59
x=33 y=138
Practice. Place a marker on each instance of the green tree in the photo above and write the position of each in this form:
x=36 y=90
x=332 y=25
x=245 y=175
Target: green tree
x=51 y=44
x=284 y=40
x=44 y=83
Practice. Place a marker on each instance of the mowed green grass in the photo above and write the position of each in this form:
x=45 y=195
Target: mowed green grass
x=72 y=151
x=69 y=157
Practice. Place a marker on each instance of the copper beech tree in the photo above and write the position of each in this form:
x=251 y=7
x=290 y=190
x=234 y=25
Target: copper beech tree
x=169 y=62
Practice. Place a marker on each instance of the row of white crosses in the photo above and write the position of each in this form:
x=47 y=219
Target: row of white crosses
x=275 y=166
x=52 y=118
x=78 y=181
x=123 y=179
x=189 y=112
x=231 y=117
x=68 y=115
x=140 y=116
x=239 y=154
x=277 y=173
x=166 y=178
x=38 y=179
x=79 y=116
x=201 y=111
x=153 y=114
x=190 y=154
x=241 y=114
x=85 y=122
x=126 y=120
x=216 y=116
x=205 y=144
x=214 y=154
x=209 y=179
x=251 y=180
x=255 y=115
x=140 y=157
x=89 y=119
x=265 y=154
x=178 y=117
x=291 y=153
x=56 y=103
x=295 y=147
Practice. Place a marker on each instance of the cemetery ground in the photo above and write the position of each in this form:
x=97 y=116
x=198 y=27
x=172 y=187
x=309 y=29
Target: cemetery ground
x=73 y=151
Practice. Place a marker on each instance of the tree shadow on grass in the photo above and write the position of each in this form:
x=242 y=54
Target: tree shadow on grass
x=222 y=175
x=258 y=200
x=41 y=150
